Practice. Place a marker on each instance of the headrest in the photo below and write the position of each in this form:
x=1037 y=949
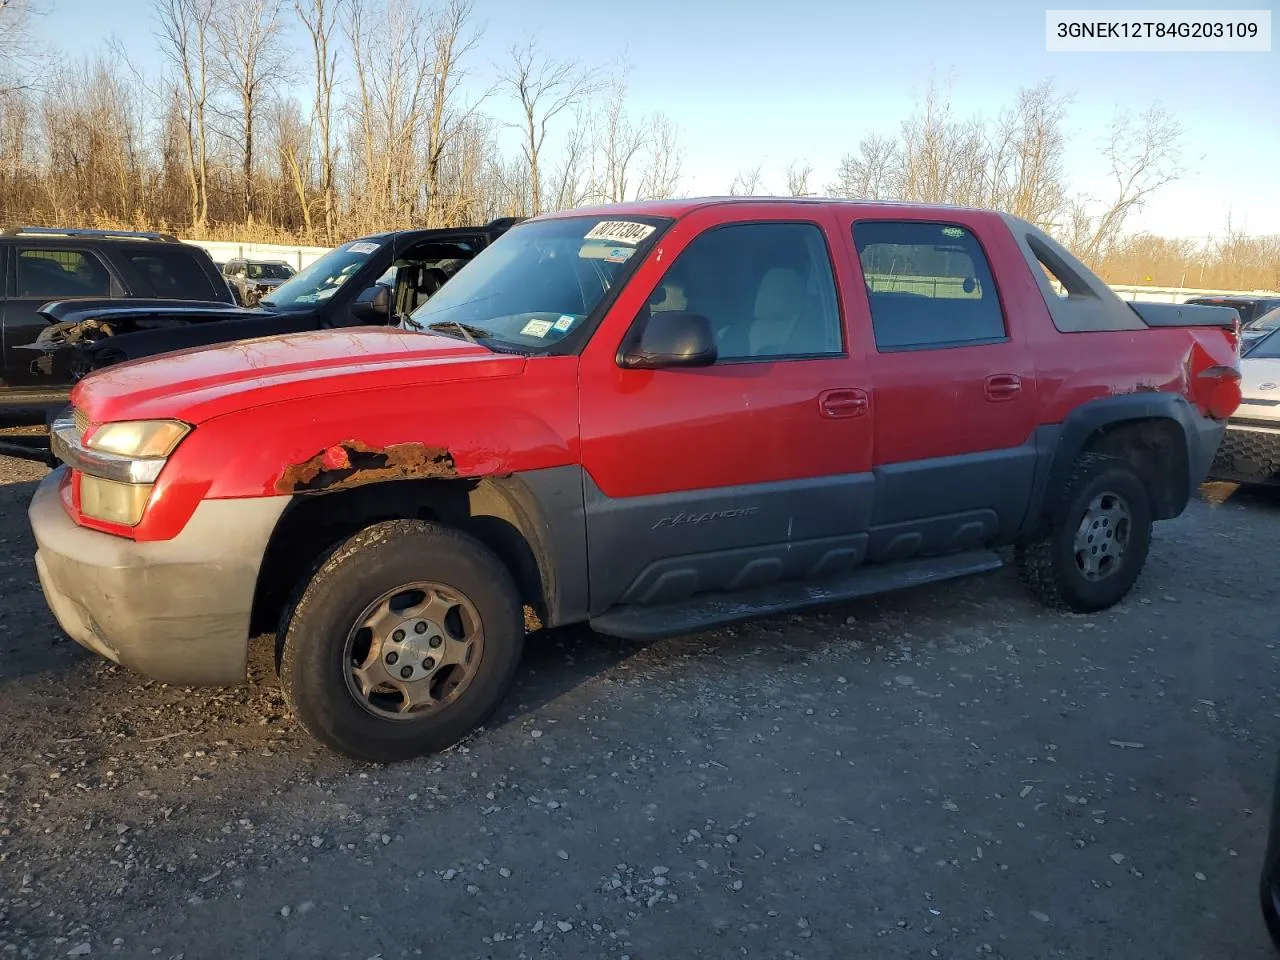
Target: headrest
x=780 y=295
x=432 y=279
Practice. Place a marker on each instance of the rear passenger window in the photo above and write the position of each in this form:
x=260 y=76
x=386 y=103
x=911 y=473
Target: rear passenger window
x=174 y=274
x=929 y=285
x=54 y=274
x=767 y=289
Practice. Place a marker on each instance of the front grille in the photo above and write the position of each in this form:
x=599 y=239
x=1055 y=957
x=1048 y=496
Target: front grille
x=1248 y=455
x=81 y=421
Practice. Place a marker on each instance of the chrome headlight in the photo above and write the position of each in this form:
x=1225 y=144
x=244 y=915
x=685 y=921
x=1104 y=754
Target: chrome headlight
x=118 y=463
x=146 y=439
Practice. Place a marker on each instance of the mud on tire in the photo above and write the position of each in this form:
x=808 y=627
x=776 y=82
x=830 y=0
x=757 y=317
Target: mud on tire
x=1099 y=535
x=349 y=693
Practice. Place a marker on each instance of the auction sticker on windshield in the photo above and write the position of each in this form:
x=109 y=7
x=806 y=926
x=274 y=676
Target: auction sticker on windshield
x=536 y=328
x=619 y=231
x=564 y=323
x=364 y=246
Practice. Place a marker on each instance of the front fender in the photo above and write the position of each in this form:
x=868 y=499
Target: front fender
x=313 y=446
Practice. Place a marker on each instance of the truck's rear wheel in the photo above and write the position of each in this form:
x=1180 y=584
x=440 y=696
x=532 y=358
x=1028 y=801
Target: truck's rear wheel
x=1098 y=541
x=404 y=641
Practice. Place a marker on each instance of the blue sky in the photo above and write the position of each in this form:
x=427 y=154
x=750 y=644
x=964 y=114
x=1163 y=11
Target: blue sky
x=752 y=82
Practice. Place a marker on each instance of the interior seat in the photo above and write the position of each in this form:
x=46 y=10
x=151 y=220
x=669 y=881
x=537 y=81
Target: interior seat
x=776 y=326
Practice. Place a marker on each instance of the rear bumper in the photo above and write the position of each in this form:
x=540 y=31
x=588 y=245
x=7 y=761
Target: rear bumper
x=1248 y=454
x=177 y=610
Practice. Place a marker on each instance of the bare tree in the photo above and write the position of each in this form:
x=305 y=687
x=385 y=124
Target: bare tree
x=1144 y=154
x=798 y=175
x=18 y=53
x=452 y=39
x=19 y=176
x=406 y=139
x=572 y=180
x=1025 y=166
x=871 y=173
x=1231 y=261
x=619 y=145
x=185 y=29
x=544 y=87
x=471 y=189
x=660 y=177
x=249 y=62
x=320 y=19
x=93 y=131
x=19 y=50
x=941 y=160
x=746 y=183
x=1015 y=164
x=290 y=144
x=393 y=64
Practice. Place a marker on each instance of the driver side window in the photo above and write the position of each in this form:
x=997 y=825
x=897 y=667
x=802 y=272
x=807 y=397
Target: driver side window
x=767 y=288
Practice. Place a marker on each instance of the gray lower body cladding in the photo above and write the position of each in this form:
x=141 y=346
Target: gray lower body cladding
x=178 y=610
x=667 y=548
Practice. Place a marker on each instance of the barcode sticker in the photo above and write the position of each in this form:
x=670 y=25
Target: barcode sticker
x=620 y=231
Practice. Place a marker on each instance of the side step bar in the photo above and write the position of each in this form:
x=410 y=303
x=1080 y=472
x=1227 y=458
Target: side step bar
x=636 y=622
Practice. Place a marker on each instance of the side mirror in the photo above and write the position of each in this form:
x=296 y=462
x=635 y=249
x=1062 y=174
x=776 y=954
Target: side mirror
x=671 y=338
x=373 y=306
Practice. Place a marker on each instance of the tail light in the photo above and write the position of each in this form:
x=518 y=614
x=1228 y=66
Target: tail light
x=1217 y=391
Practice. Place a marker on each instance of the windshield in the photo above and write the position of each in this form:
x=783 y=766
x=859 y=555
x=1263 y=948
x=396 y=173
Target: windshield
x=1268 y=348
x=269 y=271
x=1268 y=321
x=321 y=280
x=538 y=282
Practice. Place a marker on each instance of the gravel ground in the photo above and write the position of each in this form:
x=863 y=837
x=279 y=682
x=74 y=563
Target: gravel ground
x=950 y=772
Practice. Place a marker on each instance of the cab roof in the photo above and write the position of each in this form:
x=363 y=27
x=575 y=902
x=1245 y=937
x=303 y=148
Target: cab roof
x=677 y=208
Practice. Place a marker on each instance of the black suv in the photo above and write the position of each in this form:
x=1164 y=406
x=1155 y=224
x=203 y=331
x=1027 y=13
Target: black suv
x=251 y=280
x=91 y=267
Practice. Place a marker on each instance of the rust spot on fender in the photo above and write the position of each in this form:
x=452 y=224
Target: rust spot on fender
x=353 y=464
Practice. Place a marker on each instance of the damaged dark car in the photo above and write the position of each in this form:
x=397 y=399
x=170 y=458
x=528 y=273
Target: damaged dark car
x=376 y=280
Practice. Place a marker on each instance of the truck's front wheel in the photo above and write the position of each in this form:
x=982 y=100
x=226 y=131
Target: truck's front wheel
x=1099 y=536
x=404 y=641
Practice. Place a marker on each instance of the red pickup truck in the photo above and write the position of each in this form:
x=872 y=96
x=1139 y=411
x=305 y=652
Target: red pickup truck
x=653 y=418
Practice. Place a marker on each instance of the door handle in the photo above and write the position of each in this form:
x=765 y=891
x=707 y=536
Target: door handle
x=840 y=404
x=1002 y=386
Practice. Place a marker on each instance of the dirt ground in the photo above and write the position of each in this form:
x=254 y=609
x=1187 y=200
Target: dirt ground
x=950 y=772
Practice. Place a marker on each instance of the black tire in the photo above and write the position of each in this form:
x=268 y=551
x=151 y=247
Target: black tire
x=316 y=626
x=1050 y=567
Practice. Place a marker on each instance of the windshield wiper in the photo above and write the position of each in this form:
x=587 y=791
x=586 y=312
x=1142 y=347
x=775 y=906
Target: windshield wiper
x=469 y=333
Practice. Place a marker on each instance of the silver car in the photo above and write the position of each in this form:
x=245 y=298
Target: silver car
x=251 y=280
x=1250 y=451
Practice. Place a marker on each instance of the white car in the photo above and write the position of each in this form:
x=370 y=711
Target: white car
x=1250 y=451
x=1260 y=327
